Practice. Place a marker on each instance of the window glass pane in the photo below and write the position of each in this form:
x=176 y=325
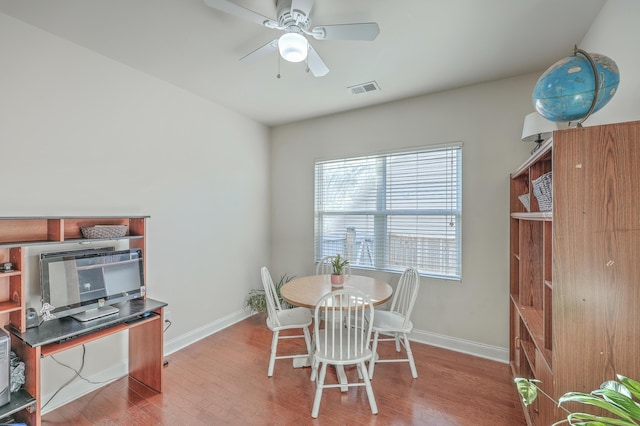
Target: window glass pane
x=392 y=211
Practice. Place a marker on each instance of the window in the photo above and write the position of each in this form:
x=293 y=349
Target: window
x=392 y=211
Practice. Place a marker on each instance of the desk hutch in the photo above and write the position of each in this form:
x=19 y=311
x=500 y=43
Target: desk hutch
x=142 y=317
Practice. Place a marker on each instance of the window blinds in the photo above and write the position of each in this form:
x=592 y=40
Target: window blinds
x=392 y=211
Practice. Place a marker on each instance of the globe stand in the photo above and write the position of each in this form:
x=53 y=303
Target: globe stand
x=596 y=81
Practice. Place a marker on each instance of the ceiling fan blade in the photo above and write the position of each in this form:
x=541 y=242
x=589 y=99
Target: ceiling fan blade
x=260 y=52
x=365 y=31
x=234 y=9
x=303 y=6
x=316 y=65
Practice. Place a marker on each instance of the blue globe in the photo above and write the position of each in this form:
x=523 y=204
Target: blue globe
x=565 y=91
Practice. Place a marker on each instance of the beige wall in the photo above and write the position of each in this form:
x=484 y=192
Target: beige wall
x=615 y=33
x=83 y=135
x=472 y=315
x=487 y=118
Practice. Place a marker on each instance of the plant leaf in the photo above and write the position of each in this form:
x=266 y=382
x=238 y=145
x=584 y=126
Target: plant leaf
x=615 y=386
x=588 y=399
x=632 y=385
x=620 y=400
x=591 y=420
x=527 y=390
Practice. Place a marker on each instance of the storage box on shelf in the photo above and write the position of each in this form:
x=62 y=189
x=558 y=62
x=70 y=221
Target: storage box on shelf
x=574 y=291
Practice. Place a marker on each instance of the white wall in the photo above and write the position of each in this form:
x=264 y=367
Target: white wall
x=83 y=135
x=615 y=33
x=487 y=118
x=470 y=316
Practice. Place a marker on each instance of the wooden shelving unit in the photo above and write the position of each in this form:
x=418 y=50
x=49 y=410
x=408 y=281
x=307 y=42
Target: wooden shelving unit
x=574 y=272
x=18 y=233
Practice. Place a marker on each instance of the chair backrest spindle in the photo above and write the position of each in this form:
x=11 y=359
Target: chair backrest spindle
x=273 y=303
x=406 y=294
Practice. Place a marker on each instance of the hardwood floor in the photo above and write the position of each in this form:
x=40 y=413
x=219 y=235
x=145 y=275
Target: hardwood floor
x=222 y=380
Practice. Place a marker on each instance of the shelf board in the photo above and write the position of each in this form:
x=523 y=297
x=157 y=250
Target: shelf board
x=9 y=306
x=533 y=320
x=75 y=240
x=540 y=216
x=544 y=149
x=20 y=400
x=54 y=348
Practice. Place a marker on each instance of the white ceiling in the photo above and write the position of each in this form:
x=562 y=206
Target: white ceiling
x=424 y=46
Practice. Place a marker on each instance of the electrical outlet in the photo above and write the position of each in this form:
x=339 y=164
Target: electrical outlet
x=167 y=315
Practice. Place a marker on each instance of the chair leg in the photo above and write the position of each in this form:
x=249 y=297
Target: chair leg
x=412 y=364
x=374 y=348
x=314 y=368
x=274 y=348
x=372 y=398
x=307 y=340
x=397 y=337
x=319 y=387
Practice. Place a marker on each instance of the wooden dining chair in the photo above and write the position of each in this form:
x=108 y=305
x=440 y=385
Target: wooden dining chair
x=340 y=345
x=279 y=319
x=396 y=322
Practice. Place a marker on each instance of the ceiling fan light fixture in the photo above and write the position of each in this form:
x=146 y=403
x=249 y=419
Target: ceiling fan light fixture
x=293 y=47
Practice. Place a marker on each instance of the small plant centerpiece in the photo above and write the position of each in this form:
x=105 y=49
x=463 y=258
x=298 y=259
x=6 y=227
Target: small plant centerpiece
x=337 y=276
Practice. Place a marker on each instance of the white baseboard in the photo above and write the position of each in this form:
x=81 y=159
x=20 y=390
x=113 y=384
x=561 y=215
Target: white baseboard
x=206 y=330
x=482 y=350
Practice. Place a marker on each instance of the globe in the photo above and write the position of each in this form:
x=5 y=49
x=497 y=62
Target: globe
x=565 y=91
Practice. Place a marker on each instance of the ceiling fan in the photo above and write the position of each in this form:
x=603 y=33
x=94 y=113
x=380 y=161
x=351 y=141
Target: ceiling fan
x=293 y=18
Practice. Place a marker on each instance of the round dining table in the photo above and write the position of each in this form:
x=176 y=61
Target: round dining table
x=307 y=291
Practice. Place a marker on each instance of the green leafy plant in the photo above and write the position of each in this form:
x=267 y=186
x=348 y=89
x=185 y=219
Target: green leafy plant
x=620 y=398
x=256 y=300
x=338 y=264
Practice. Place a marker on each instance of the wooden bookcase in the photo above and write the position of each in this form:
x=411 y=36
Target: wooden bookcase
x=575 y=271
x=145 y=337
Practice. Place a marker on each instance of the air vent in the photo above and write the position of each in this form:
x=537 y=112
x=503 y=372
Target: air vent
x=371 y=86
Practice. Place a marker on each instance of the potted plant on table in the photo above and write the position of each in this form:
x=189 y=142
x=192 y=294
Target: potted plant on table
x=337 y=276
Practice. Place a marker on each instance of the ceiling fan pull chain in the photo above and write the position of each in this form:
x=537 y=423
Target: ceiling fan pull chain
x=279 y=62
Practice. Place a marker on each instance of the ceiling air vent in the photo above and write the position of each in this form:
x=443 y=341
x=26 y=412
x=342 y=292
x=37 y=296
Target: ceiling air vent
x=371 y=86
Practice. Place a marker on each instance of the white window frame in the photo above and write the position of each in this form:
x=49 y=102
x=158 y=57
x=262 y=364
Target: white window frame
x=444 y=210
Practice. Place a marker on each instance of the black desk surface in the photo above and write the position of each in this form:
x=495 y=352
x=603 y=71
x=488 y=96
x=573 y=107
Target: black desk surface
x=63 y=328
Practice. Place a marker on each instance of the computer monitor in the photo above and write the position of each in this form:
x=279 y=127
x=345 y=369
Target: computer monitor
x=84 y=284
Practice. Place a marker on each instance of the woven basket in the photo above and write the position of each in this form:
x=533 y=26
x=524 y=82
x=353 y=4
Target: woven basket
x=542 y=189
x=104 y=231
x=525 y=200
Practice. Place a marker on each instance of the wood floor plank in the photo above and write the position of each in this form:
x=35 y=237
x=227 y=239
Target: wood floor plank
x=222 y=379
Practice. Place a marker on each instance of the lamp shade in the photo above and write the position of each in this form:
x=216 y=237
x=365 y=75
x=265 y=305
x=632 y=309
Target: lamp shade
x=293 y=47
x=537 y=128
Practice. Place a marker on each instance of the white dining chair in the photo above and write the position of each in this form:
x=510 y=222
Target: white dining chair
x=279 y=319
x=339 y=345
x=396 y=321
